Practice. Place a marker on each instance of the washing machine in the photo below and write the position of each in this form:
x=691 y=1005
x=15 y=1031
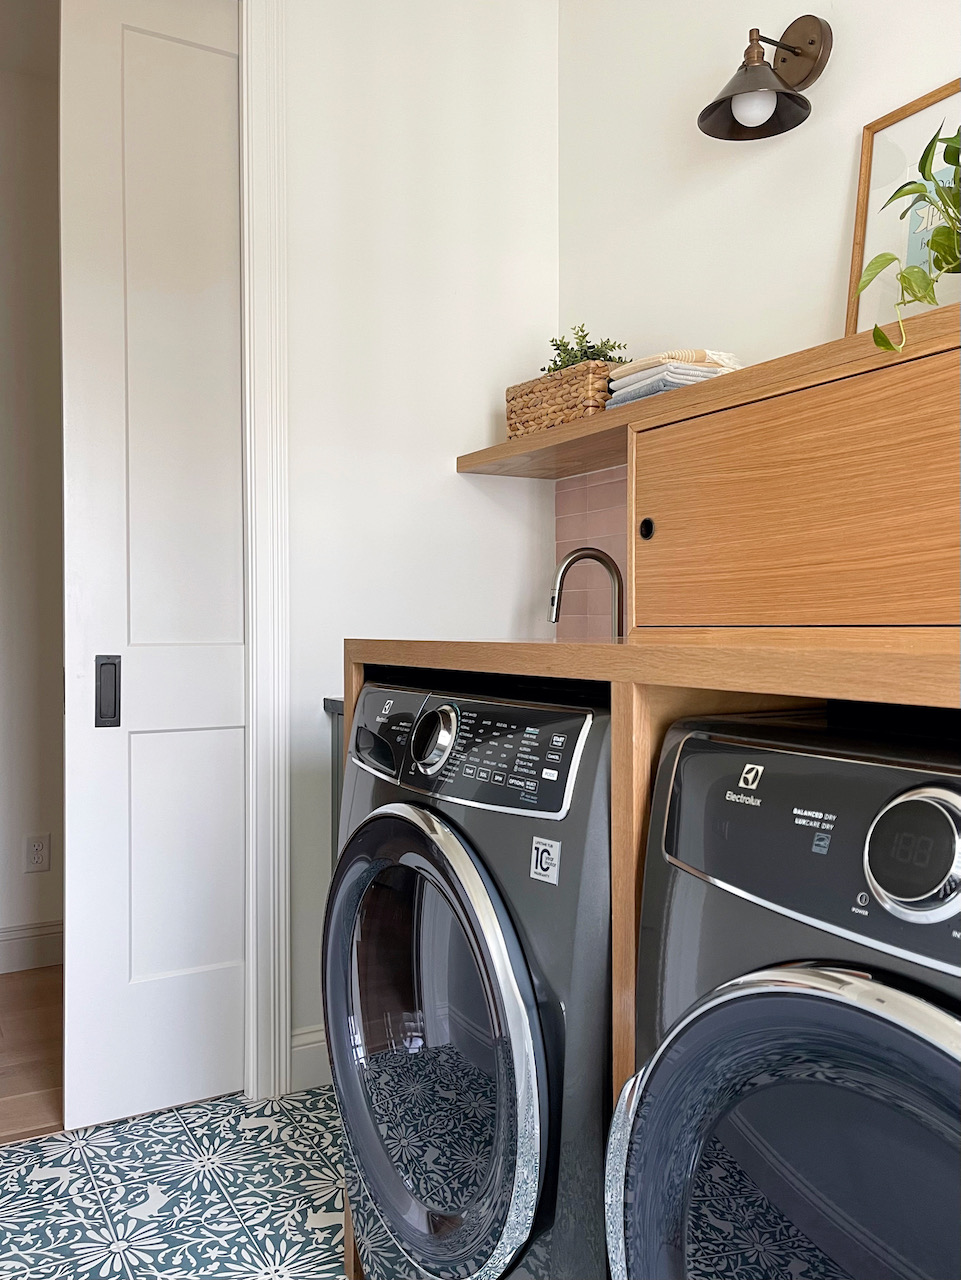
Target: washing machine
x=466 y=976
x=796 y=1111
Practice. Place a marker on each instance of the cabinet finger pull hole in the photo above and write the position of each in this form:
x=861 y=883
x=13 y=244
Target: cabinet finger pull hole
x=646 y=529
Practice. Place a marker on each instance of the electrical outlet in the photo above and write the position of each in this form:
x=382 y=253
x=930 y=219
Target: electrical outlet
x=36 y=853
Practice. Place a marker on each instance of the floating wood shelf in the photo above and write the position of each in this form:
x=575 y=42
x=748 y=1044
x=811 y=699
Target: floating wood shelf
x=591 y=444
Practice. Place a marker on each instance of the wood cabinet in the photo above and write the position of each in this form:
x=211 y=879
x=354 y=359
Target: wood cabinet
x=833 y=505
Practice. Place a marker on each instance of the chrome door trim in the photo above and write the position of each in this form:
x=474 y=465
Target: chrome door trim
x=837 y=930
x=615 y=1173
x=843 y=986
x=527 y=1171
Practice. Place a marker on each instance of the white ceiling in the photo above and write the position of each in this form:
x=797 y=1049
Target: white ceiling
x=30 y=37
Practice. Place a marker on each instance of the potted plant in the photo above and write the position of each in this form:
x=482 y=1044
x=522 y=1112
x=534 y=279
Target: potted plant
x=574 y=385
x=918 y=284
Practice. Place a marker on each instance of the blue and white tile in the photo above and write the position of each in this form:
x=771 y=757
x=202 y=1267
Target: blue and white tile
x=228 y=1190
x=72 y=1232
x=315 y=1112
x=301 y=1228
x=47 y=1168
x=165 y=1228
x=153 y=1146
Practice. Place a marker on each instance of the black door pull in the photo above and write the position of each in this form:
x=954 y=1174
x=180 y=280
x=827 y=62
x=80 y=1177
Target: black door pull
x=106 y=712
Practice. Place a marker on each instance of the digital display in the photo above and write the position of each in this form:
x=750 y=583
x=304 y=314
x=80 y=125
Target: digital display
x=912 y=849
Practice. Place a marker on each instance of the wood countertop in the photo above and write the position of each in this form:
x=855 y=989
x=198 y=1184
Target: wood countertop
x=914 y=665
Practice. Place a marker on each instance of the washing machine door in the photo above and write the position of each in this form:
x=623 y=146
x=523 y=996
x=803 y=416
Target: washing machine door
x=799 y=1122
x=436 y=1049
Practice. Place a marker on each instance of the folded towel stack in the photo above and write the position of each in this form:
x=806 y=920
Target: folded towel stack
x=667 y=370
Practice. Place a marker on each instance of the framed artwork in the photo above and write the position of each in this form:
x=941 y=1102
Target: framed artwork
x=890 y=150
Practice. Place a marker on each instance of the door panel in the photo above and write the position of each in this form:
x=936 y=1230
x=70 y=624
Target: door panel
x=182 y=298
x=187 y=826
x=153 y=479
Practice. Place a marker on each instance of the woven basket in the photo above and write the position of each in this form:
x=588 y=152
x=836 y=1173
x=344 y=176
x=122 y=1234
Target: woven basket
x=574 y=392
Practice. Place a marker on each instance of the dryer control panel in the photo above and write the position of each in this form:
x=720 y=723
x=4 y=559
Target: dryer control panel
x=515 y=757
x=867 y=849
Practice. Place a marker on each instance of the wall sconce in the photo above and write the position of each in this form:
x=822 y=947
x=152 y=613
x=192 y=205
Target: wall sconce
x=760 y=100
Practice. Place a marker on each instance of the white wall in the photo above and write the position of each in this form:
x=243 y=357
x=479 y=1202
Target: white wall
x=31 y=690
x=423 y=260
x=670 y=238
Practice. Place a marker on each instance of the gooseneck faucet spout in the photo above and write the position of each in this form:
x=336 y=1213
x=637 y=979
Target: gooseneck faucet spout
x=617 y=585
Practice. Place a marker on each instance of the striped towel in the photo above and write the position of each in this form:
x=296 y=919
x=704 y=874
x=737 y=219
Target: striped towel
x=691 y=372
x=690 y=355
x=665 y=378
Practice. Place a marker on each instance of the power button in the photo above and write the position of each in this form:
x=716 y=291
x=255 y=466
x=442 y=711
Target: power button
x=863 y=899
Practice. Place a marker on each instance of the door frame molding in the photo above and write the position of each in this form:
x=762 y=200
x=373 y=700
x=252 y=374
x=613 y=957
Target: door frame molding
x=267 y=1029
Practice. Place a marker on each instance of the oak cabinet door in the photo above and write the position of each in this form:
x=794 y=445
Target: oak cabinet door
x=837 y=505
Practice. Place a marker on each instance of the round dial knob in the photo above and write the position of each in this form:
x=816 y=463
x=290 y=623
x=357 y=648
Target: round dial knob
x=433 y=738
x=912 y=855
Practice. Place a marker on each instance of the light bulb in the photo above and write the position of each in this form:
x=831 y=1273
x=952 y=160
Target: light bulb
x=754 y=109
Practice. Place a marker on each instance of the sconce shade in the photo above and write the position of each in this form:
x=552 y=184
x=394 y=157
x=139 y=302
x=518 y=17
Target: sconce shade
x=718 y=119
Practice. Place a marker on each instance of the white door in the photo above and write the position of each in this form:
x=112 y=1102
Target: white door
x=154 y=544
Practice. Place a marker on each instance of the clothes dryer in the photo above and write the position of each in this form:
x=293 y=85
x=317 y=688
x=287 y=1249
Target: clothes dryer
x=796 y=1110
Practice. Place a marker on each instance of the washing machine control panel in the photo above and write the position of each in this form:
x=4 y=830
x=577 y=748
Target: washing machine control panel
x=495 y=755
x=866 y=849
x=501 y=755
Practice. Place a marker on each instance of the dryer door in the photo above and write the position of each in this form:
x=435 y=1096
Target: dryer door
x=799 y=1122
x=436 y=1051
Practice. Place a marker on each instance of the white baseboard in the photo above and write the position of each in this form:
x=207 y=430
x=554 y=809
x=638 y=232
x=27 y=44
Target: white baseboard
x=31 y=946
x=309 y=1066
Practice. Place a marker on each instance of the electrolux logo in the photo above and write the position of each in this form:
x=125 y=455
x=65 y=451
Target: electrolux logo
x=387 y=706
x=751 y=776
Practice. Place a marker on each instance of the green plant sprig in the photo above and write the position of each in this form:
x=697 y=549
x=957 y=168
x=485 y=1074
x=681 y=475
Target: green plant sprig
x=944 y=243
x=567 y=353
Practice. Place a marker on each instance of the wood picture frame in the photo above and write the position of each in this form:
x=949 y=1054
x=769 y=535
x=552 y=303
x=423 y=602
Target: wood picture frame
x=868 y=136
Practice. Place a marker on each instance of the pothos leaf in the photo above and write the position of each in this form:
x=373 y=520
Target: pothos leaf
x=943 y=241
x=914 y=204
x=907 y=189
x=927 y=156
x=916 y=282
x=874 y=268
x=882 y=340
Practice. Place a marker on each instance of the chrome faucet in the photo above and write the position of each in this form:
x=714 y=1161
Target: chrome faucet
x=617 y=585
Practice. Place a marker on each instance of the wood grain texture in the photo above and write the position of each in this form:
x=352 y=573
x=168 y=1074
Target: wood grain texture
x=914 y=665
x=31 y=1053
x=630 y=787
x=587 y=444
x=590 y=444
x=353 y=683
x=864 y=188
x=640 y=717
x=837 y=505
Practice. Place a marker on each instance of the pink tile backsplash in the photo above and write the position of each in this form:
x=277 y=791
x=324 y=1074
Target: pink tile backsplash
x=590 y=511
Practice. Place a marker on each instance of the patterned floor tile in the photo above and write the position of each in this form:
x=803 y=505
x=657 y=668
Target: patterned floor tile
x=302 y=1229
x=315 y=1112
x=154 y=1146
x=224 y=1190
x=169 y=1229
x=44 y=1169
x=73 y=1232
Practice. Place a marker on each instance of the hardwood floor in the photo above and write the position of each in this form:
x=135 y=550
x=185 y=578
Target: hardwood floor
x=31 y=1053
